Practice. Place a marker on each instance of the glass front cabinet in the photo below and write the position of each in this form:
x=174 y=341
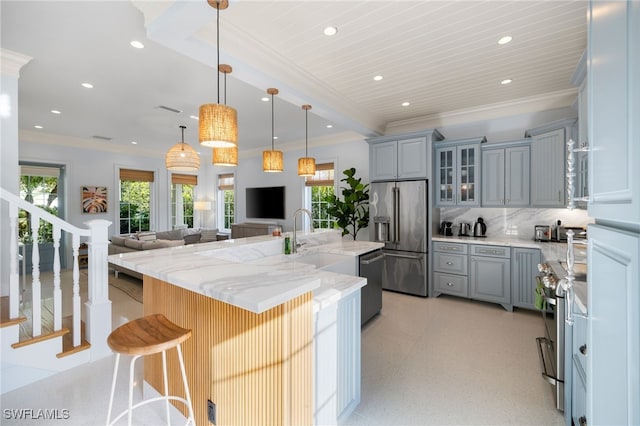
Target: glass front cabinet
x=457 y=172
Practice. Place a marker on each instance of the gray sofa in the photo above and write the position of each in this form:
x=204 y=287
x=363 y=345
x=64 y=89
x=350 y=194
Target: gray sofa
x=127 y=243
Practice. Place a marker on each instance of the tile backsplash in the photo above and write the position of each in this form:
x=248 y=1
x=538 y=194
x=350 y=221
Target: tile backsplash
x=516 y=223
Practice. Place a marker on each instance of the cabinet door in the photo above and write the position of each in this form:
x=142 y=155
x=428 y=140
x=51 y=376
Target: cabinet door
x=493 y=177
x=524 y=268
x=468 y=174
x=548 y=169
x=613 y=329
x=412 y=158
x=490 y=279
x=445 y=177
x=517 y=178
x=613 y=68
x=384 y=161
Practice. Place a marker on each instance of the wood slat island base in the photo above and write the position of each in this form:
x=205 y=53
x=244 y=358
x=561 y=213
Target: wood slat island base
x=256 y=368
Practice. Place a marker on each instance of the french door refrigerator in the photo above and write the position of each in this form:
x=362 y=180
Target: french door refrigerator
x=398 y=217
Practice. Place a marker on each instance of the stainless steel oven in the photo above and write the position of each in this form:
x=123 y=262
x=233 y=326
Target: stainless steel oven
x=551 y=345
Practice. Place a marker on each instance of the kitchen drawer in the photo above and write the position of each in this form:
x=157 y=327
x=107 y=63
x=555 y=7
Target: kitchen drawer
x=492 y=251
x=460 y=248
x=451 y=263
x=579 y=344
x=456 y=285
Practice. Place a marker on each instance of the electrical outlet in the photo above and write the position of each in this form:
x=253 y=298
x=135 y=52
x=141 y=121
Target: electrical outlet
x=211 y=411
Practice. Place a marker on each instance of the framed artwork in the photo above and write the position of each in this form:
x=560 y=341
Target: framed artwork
x=94 y=199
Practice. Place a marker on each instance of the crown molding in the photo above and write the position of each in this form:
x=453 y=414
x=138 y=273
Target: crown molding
x=12 y=62
x=547 y=101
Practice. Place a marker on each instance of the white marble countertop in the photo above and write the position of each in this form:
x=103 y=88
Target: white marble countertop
x=251 y=273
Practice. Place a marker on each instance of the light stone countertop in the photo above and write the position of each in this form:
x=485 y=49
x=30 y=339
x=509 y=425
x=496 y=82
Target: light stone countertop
x=552 y=253
x=251 y=273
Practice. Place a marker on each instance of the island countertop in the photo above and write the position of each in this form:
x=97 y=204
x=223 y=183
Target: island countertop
x=251 y=273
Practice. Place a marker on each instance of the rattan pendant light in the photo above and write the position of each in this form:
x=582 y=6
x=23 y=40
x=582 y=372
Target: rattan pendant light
x=272 y=160
x=181 y=157
x=227 y=157
x=218 y=123
x=306 y=164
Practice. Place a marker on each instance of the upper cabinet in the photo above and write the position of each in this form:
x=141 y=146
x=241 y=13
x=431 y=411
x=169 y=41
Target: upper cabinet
x=457 y=172
x=613 y=67
x=401 y=156
x=548 y=163
x=579 y=152
x=505 y=174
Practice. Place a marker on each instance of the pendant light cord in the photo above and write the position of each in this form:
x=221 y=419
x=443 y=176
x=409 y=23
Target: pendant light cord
x=272 y=122
x=218 y=44
x=182 y=146
x=306 y=133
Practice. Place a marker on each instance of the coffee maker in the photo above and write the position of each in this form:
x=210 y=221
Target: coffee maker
x=446 y=229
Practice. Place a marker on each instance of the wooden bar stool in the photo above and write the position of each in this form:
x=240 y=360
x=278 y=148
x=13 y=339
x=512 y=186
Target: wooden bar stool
x=145 y=336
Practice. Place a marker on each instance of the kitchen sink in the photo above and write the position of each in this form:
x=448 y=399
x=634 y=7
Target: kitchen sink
x=328 y=261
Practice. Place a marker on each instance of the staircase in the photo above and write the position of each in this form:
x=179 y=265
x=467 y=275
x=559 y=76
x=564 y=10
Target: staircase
x=54 y=321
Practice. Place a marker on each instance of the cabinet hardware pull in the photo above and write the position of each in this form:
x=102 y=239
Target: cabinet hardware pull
x=449 y=263
x=450 y=284
x=583 y=349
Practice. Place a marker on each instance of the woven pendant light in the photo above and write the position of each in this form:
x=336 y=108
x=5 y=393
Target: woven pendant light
x=182 y=158
x=306 y=164
x=272 y=160
x=227 y=157
x=218 y=123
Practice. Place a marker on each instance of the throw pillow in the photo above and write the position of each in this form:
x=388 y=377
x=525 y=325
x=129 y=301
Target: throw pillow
x=147 y=236
x=192 y=238
x=208 y=235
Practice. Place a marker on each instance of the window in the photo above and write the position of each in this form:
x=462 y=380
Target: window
x=135 y=200
x=182 y=197
x=226 y=201
x=39 y=185
x=317 y=189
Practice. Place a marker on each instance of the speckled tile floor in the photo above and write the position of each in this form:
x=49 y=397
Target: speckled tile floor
x=443 y=361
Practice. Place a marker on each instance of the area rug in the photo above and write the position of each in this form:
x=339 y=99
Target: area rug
x=129 y=285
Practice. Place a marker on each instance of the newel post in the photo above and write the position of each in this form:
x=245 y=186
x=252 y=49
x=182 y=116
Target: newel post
x=98 y=305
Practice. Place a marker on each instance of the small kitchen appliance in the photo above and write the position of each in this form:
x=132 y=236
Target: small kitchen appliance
x=446 y=229
x=463 y=229
x=542 y=233
x=479 y=228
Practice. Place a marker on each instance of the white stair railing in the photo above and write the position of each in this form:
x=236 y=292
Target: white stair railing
x=98 y=305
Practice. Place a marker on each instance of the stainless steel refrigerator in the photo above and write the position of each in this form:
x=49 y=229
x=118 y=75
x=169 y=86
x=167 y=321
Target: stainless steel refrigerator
x=398 y=217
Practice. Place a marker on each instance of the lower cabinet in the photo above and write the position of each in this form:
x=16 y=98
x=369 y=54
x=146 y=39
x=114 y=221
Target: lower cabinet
x=578 y=365
x=450 y=265
x=524 y=269
x=490 y=274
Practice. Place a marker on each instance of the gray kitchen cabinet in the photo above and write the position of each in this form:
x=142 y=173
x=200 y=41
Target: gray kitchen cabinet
x=578 y=352
x=524 y=269
x=401 y=156
x=548 y=163
x=457 y=172
x=505 y=175
x=490 y=274
x=450 y=269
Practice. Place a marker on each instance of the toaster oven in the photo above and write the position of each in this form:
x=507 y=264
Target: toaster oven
x=542 y=233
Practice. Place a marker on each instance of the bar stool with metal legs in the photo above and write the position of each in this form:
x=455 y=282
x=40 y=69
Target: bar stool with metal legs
x=145 y=336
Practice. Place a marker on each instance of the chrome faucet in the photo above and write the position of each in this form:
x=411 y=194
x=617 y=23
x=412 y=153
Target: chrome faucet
x=295 y=226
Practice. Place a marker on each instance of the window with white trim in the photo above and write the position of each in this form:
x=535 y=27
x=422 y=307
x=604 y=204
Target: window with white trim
x=182 y=197
x=317 y=189
x=226 y=201
x=134 y=198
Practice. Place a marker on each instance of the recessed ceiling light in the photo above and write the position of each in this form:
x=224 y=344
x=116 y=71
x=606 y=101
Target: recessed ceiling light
x=505 y=40
x=275 y=137
x=134 y=143
x=265 y=99
x=87 y=85
x=137 y=44
x=195 y=117
x=329 y=31
x=329 y=126
x=406 y=104
x=37 y=126
x=55 y=111
x=507 y=81
x=378 y=78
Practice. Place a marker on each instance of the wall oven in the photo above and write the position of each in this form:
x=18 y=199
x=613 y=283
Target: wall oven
x=551 y=345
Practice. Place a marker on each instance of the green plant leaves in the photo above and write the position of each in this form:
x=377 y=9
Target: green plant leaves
x=352 y=212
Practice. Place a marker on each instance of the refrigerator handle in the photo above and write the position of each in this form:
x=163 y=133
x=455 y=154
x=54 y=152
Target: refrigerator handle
x=397 y=216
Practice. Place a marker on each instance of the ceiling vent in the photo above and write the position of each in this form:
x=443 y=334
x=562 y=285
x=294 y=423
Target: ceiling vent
x=104 y=138
x=177 y=111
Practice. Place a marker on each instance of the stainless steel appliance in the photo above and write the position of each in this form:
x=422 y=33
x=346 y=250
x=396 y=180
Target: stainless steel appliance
x=542 y=233
x=398 y=218
x=479 y=228
x=371 y=266
x=551 y=346
x=464 y=229
x=446 y=228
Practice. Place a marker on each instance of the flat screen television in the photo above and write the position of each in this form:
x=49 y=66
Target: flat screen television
x=265 y=202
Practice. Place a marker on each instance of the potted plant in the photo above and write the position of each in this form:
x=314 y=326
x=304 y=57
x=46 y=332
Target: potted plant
x=352 y=211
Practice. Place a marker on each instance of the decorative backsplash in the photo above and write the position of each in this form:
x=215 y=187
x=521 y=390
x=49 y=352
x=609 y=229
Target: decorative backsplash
x=516 y=223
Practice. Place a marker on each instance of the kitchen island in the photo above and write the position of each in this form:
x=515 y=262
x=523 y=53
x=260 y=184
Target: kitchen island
x=253 y=312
